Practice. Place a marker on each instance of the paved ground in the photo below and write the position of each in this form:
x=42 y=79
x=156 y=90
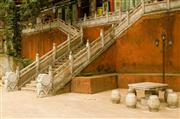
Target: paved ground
x=22 y=104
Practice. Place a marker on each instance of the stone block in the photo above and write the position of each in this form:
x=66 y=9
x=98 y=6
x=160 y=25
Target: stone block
x=94 y=84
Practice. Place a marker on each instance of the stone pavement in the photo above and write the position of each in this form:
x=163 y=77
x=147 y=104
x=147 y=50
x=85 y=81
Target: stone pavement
x=24 y=104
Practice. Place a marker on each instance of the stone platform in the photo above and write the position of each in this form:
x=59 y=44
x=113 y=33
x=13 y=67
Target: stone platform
x=94 y=84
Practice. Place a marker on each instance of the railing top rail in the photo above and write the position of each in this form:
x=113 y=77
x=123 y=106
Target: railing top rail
x=91 y=20
x=49 y=23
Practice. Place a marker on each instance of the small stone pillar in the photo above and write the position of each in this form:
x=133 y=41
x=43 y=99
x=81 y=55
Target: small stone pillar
x=69 y=42
x=143 y=6
x=37 y=64
x=95 y=15
x=102 y=37
x=127 y=15
x=168 y=4
x=71 y=61
x=54 y=52
x=81 y=31
x=85 y=17
x=88 y=50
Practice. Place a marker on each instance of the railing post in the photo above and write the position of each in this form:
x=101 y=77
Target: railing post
x=88 y=50
x=168 y=4
x=95 y=15
x=54 y=52
x=69 y=42
x=37 y=64
x=120 y=14
x=127 y=15
x=107 y=16
x=143 y=6
x=112 y=32
x=51 y=72
x=18 y=75
x=81 y=31
x=85 y=17
x=71 y=61
x=102 y=37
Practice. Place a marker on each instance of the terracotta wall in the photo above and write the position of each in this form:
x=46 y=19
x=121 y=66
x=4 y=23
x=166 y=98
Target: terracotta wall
x=92 y=33
x=41 y=42
x=135 y=51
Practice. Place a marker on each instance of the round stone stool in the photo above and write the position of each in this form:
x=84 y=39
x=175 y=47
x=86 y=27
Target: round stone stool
x=153 y=103
x=115 y=96
x=131 y=100
x=167 y=91
x=172 y=100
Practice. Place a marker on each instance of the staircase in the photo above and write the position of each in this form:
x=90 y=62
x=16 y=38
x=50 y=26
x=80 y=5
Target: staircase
x=60 y=62
x=64 y=68
x=52 y=24
x=85 y=56
x=115 y=17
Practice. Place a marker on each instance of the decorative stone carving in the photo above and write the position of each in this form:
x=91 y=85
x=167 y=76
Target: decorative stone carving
x=115 y=96
x=11 y=81
x=44 y=85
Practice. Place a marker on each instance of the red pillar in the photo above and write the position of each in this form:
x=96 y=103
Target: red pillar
x=111 y=5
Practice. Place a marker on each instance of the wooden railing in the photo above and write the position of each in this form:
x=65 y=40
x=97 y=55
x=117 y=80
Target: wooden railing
x=55 y=23
x=85 y=56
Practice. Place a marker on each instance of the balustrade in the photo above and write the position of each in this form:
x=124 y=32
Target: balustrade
x=77 y=62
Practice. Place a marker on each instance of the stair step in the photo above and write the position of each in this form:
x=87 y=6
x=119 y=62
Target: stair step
x=30 y=85
x=28 y=89
x=34 y=82
x=58 y=63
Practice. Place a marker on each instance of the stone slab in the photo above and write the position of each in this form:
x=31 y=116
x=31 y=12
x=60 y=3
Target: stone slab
x=148 y=85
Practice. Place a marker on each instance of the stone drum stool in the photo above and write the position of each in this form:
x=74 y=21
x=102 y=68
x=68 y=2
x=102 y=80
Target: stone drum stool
x=115 y=96
x=153 y=103
x=167 y=91
x=131 y=100
x=172 y=100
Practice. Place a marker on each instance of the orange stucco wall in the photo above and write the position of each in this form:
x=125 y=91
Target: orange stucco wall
x=41 y=42
x=91 y=33
x=135 y=51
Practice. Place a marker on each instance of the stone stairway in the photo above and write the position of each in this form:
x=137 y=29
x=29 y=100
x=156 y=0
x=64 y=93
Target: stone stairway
x=31 y=86
x=65 y=66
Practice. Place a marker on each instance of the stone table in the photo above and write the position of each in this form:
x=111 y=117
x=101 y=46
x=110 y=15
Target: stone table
x=150 y=88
